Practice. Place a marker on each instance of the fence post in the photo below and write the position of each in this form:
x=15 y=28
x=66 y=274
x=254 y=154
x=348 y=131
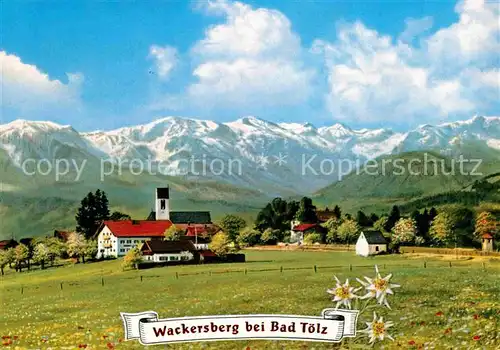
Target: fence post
x=484 y=266
x=384 y=266
x=102 y=281
x=315 y=269
x=450 y=263
x=141 y=278
x=245 y=271
x=61 y=286
x=177 y=275
x=350 y=267
x=281 y=269
x=425 y=264
x=22 y=290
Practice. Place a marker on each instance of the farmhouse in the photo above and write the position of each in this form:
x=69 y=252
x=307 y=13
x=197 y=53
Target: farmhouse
x=299 y=231
x=116 y=238
x=164 y=251
x=371 y=243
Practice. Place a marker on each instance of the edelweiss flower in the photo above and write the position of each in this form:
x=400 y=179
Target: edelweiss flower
x=343 y=293
x=371 y=293
x=379 y=287
x=377 y=329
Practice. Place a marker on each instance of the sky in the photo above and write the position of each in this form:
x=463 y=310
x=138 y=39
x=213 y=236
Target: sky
x=104 y=65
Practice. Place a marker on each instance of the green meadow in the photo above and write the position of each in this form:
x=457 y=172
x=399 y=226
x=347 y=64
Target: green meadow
x=446 y=304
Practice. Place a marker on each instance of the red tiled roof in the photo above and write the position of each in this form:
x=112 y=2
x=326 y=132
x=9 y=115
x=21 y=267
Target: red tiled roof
x=138 y=228
x=304 y=227
x=195 y=230
x=487 y=236
x=207 y=253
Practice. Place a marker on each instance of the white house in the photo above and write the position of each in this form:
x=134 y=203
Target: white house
x=116 y=238
x=163 y=251
x=371 y=243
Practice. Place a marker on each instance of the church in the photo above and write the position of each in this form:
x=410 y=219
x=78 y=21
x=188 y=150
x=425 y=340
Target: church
x=116 y=238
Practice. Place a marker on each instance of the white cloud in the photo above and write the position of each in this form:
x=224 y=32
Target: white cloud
x=165 y=59
x=244 y=82
x=253 y=57
x=25 y=89
x=475 y=38
x=415 y=28
x=248 y=32
x=375 y=78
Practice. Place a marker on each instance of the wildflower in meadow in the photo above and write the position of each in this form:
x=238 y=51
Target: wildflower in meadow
x=377 y=329
x=343 y=293
x=378 y=287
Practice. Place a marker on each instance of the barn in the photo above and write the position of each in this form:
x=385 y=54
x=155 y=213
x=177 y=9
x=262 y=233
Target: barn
x=371 y=243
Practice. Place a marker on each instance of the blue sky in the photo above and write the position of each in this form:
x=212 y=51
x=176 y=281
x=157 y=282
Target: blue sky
x=102 y=65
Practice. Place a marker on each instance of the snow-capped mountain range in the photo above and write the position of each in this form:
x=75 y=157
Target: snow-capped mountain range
x=248 y=152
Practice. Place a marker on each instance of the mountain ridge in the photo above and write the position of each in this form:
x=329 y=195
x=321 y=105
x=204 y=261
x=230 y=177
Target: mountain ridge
x=173 y=141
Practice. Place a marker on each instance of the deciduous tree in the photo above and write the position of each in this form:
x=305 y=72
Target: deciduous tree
x=404 y=231
x=222 y=245
x=132 y=258
x=486 y=223
x=441 y=230
x=277 y=214
x=76 y=246
x=22 y=254
x=173 y=233
x=332 y=226
x=41 y=254
x=249 y=237
x=348 y=230
x=232 y=225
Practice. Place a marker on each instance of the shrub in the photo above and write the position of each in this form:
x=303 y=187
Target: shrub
x=249 y=237
x=270 y=236
x=312 y=238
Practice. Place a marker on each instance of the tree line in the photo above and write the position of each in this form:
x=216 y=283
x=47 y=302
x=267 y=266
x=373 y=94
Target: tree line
x=80 y=245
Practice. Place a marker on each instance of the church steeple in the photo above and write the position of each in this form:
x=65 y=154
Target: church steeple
x=162 y=204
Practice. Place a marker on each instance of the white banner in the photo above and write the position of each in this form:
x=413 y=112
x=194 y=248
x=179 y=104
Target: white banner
x=149 y=329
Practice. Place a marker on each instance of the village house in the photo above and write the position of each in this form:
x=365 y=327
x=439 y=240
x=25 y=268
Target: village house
x=62 y=235
x=116 y=238
x=7 y=244
x=487 y=242
x=371 y=243
x=168 y=251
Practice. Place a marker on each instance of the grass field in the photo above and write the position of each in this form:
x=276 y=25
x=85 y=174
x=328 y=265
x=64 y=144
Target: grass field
x=438 y=306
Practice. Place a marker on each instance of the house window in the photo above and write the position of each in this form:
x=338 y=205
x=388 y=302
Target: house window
x=174 y=258
x=163 y=258
x=136 y=241
x=376 y=248
x=122 y=250
x=129 y=241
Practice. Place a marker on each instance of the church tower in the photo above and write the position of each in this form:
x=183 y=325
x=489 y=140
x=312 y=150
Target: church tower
x=162 y=204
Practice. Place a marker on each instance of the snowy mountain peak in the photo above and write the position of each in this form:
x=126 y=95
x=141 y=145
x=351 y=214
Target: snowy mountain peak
x=33 y=126
x=173 y=140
